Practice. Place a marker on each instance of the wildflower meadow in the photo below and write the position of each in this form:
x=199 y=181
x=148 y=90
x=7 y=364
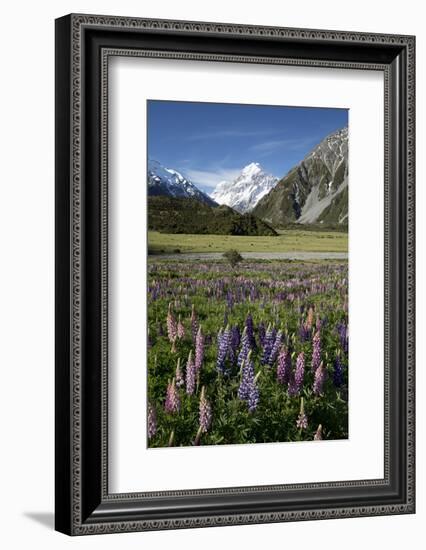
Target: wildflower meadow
x=250 y=354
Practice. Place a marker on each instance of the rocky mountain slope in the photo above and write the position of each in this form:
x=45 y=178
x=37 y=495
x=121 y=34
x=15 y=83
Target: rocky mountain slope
x=315 y=191
x=243 y=193
x=167 y=182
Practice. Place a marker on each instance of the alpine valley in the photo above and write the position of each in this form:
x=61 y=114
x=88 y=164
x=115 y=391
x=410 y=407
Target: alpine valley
x=313 y=194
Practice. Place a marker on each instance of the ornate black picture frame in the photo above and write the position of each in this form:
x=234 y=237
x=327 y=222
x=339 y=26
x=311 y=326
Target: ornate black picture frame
x=83 y=45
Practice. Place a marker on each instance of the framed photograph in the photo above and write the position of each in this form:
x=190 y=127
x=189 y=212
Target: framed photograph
x=234 y=274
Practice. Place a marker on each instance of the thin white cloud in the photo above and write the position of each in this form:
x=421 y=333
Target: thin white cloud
x=209 y=179
x=268 y=147
x=223 y=133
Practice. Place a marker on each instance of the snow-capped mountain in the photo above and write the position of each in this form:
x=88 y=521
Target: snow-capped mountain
x=171 y=183
x=314 y=191
x=245 y=191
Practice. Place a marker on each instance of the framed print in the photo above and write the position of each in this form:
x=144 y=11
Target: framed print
x=234 y=274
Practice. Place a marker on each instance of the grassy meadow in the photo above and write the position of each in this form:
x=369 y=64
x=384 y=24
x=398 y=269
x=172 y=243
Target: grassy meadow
x=291 y=240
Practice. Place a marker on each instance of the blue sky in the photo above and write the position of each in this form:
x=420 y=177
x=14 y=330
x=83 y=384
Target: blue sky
x=211 y=142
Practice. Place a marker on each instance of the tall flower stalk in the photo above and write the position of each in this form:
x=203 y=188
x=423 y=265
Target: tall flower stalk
x=152 y=421
x=171 y=324
x=284 y=366
x=199 y=349
x=316 y=351
x=194 y=323
x=190 y=375
x=172 y=403
x=205 y=412
x=302 y=419
x=320 y=377
x=295 y=383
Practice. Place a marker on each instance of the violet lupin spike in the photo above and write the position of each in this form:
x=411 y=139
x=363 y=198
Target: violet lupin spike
x=253 y=394
x=199 y=349
x=250 y=331
x=284 y=366
x=171 y=324
x=302 y=419
x=152 y=421
x=320 y=377
x=267 y=345
x=338 y=371
x=190 y=375
x=296 y=379
x=275 y=347
x=205 y=412
x=222 y=350
x=316 y=351
x=172 y=403
x=247 y=377
x=244 y=350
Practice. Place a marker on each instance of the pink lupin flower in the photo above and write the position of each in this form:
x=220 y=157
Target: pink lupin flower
x=180 y=329
x=172 y=403
x=316 y=351
x=190 y=375
x=171 y=324
x=320 y=377
x=284 y=366
x=199 y=349
x=318 y=434
x=302 y=419
x=205 y=412
x=152 y=421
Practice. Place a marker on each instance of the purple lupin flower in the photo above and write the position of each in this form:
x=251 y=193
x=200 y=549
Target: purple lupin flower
x=268 y=342
x=180 y=329
x=304 y=332
x=172 y=403
x=247 y=377
x=296 y=379
x=179 y=375
x=253 y=396
x=194 y=323
x=284 y=366
x=316 y=351
x=152 y=421
x=171 y=324
x=190 y=375
x=338 y=371
x=275 y=347
x=235 y=338
x=199 y=349
x=343 y=331
x=318 y=434
x=302 y=419
x=223 y=341
x=250 y=331
x=320 y=377
x=205 y=412
x=245 y=348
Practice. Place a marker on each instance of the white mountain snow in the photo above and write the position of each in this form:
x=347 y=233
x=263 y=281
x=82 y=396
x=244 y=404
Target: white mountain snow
x=245 y=191
x=170 y=182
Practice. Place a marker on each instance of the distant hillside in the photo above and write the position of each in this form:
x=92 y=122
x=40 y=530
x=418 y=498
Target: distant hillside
x=315 y=191
x=184 y=215
x=171 y=183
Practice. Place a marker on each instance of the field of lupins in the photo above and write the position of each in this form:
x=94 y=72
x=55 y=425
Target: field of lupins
x=254 y=354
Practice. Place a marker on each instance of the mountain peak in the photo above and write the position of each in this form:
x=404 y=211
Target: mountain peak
x=251 y=169
x=245 y=191
x=171 y=183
